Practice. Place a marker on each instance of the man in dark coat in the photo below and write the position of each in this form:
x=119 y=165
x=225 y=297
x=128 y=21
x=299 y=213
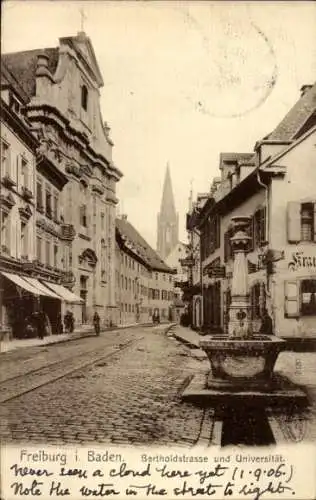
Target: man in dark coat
x=266 y=327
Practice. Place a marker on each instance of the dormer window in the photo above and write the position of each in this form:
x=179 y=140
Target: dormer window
x=84 y=97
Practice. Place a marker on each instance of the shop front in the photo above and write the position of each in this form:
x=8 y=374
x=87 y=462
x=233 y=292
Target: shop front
x=28 y=302
x=294 y=292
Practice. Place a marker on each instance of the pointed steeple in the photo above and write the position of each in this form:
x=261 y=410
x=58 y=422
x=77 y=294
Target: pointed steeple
x=167 y=206
x=167 y=221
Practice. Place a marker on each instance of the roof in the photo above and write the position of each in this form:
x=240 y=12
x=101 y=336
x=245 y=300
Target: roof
x=238 y=158
x=140 y=246
x=295 y=119
x=8 y=80
x=23 y=66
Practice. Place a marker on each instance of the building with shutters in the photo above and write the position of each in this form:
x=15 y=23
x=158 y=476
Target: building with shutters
x=144 y=282
x=276 y=187
x=76 y=205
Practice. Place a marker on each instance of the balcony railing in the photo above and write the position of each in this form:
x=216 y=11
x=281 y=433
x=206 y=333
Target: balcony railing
x=67 y=232
x=8 y=182
x=26 y=193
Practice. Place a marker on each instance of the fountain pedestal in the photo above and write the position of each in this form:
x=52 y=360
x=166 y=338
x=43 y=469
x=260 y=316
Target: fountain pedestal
x=241 y=360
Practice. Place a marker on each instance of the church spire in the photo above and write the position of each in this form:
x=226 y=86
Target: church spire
x=167 y=206
x=167 y=222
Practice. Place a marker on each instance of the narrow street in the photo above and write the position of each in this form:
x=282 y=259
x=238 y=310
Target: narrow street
x=122 y=387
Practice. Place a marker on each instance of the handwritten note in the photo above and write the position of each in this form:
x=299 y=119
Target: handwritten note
x=97 y=473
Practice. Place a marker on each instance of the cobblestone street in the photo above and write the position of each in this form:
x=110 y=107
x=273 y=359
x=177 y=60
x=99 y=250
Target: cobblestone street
x=132 y=398
x=124 y=387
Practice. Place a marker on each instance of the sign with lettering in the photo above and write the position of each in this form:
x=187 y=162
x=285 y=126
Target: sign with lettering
x=300 y=260
x=188 y=262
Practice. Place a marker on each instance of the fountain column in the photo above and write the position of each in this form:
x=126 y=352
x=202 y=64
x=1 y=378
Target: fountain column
x=240 y=326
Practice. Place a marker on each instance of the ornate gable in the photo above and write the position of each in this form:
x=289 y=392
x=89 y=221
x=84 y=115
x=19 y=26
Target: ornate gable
x=83 y=46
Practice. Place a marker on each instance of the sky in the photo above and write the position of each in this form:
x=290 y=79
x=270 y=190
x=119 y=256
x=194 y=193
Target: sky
x=183 y=82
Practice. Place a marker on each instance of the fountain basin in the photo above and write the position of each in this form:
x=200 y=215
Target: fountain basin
x=241 y=364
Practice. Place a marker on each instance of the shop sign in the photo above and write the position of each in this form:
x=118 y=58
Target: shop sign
x=299 y=260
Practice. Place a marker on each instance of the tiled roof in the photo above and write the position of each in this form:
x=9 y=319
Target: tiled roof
x=140 y=246
x=23 y=66
x=295 y=119
x=236 y=157
x=8 y=80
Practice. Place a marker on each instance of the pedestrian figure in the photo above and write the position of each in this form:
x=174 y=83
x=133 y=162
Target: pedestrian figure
x=96 y=323
x=266 y=327
x=67 y=321
x=59 y=324
x=156 y=316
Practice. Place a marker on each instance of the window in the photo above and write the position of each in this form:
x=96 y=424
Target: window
x=5 y=232
x=125 y=283
x=301 y=221
x=55 y=256
x=259 y=227
x=47 y=252
x=102 y=221
x=228 y=252
x=308 y=297
x=156 y=276
x=39 y=196
x=48 y=198
x=307 y=222
x=24 y=245
x=5 y=159
x=129 y=308
x=39 y=248
x=122 y=281
x=24 y=172
x=129 y=284
x=84 y=97
x=83 y=215
x=55 y=207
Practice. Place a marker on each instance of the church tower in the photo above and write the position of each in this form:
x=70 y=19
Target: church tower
x=167 y=220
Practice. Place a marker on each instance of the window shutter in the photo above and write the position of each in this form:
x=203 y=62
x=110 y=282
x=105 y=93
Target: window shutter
x=293 y=222
x=315 y=221
x=291 y=299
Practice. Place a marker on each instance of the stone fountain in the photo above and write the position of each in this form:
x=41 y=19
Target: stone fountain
x=242 y=362
x=241 y=359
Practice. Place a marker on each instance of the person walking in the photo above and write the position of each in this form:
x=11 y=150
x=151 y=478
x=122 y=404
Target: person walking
x=96 y=323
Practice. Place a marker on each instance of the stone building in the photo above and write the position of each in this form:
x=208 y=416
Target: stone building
x=167 y=220
x=143 y=281
x=31 y=238
x=275 y=186
x=62 y=85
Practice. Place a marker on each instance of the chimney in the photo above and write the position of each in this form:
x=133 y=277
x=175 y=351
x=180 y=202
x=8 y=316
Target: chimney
x=304 y=89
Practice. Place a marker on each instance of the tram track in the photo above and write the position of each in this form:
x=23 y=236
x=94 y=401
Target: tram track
x=21 y=384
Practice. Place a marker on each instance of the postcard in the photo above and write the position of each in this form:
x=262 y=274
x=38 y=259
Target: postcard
x=158 y=250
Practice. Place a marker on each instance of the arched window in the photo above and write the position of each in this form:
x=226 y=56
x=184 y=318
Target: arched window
x=84 y=97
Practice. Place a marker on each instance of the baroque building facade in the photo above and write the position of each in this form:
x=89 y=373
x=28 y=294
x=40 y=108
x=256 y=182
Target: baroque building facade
x=75 y=185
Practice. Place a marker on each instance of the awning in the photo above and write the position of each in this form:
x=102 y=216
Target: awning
x=18 y=280
x=42 y=289
x=63 y=292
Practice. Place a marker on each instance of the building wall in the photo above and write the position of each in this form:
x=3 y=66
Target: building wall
x=133 y=294
x=20 y=165
x=173 y=260
x=299 y=263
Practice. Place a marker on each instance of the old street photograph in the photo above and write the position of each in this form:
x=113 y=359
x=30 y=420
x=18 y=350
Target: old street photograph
x=158 y=223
